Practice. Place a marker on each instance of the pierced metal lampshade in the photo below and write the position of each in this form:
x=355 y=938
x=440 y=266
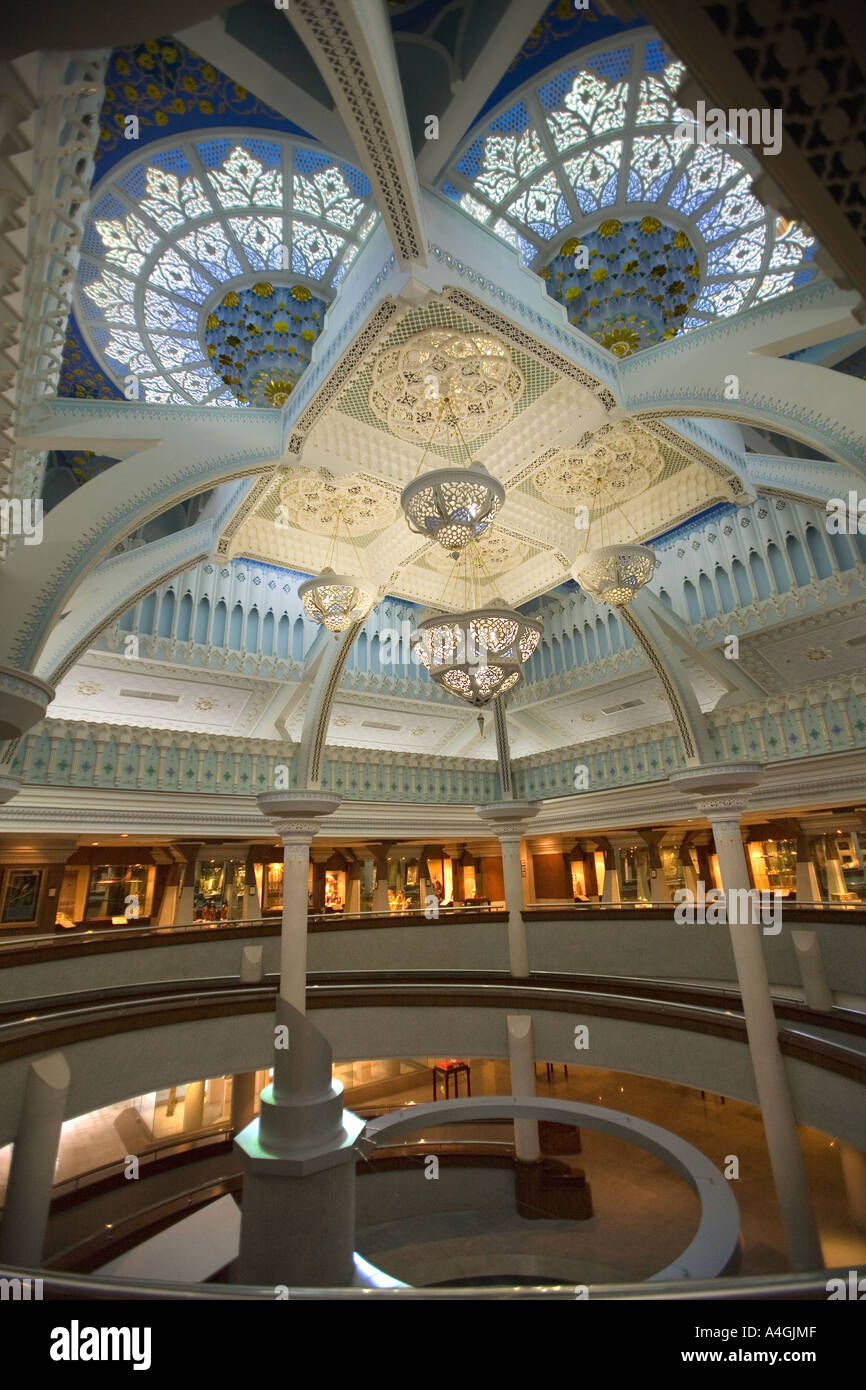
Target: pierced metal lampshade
x=477 y=655
x=453 y=506
x=336 y=600
x=614 y=573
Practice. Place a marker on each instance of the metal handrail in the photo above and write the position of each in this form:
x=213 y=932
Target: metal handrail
x=755 y=1288
x=393 y=917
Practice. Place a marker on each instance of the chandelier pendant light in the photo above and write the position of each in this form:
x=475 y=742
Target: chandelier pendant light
x=613 y=574
x=480 y=653
x=453 y=506
x=337 y=600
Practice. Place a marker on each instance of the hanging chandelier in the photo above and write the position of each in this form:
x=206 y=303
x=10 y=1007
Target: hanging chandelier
x=453 y=506
x=613 y=574
x=337 y=600
x=480 y=653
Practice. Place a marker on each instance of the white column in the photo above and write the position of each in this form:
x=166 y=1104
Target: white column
x=774 y=1096
x=34 y=1158
x=816 y=987
x=296 y=837
x=529 y=880
x=808 y=888
x=610 y=892
x=252 y=908
x=512 y=879
x=521 y=1056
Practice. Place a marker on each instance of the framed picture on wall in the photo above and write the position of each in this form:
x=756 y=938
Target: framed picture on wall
x=21 y=894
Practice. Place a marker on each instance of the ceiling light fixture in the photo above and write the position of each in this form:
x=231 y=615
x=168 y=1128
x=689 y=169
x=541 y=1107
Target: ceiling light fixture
x=453 y=506
x=612 y=574
x=337 y=600
x=477 y=654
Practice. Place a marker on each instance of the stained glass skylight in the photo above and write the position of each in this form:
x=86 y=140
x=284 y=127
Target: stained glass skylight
x=596 y=144
x=176 y=226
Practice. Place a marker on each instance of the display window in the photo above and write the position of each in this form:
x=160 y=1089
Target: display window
x=21 y=895
x=122 y=892
x=335 y=890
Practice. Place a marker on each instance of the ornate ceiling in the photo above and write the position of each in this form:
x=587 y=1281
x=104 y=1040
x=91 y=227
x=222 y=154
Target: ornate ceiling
x=239 y=255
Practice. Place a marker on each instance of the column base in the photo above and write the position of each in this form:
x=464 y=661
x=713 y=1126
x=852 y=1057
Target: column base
x=298 y=1225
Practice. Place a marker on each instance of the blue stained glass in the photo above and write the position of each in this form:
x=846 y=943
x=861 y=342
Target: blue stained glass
x=134 y=182
x=265 y=151
x=174 y=160
x=563 y=214
x=469 y=165
x=213 y=153
x=609 y=191
x=654 y=58
x=633 y=192
x=455 y=194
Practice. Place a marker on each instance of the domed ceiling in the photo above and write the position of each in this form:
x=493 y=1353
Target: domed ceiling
x=599 y=156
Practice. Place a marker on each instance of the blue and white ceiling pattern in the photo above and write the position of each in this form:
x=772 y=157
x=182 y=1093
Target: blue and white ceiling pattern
x=174 y=229
x=595 y=144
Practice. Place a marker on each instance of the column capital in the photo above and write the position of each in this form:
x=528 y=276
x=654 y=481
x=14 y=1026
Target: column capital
x=718 y=778
x=719 y=809
x=23 y=701
x=296 y=813
x=509 y=820
x=297 y=832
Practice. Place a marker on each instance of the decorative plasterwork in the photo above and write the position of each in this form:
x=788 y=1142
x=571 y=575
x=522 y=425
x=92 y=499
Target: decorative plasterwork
x=476 y=372
x=618 y=464
x=313 y=502
x=367 y=96
x=495 y=553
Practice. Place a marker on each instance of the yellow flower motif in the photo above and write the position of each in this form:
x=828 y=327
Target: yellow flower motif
x=170 y=55
x=146 y=62
x=206 y=107
x=308 y=335
x=609 y=228
x=569 y=247
x=629 y=267
x=212 y=323
x=153 y=91
x=254 y=329
x=129 y=91
x=230 y=301
x=573 y=292
x=152 y=46
x=178 y=106
x=263 y=289
x=694 y=270
x=277 y=391
x=211 y=350
x=240 y=92
x=681 y=241
x=161 y=118
x=189 y=83
x=650 y=225
x=301 y=292
x=208 y=73
x=122 y=67
x=599 y=275
x=544 y=272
